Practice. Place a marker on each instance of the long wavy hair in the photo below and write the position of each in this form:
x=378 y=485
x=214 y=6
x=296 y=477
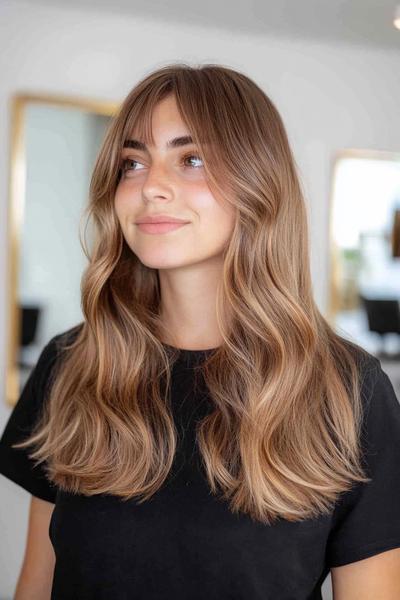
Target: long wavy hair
x=283 y=437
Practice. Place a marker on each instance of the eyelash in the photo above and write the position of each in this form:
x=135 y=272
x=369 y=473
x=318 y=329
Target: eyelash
x=126 y=160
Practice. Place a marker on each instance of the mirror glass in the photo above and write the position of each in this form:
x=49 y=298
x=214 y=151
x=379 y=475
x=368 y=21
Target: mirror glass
x=365 y=246
x=54 y=153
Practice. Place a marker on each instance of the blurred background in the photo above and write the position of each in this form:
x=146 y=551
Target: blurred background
x=331 y=68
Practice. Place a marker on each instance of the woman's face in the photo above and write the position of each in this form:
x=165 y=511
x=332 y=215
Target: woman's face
x=170 y=180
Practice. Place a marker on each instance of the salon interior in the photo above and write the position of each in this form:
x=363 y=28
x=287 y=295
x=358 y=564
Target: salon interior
x=330 y=68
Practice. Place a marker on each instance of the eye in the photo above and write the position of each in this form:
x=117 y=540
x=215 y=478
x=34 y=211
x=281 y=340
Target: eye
x=125 y=164
x=130 y=164
x=195 y=156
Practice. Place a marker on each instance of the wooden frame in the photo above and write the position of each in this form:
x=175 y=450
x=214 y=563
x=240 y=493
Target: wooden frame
x=16 y=208
x=333 y=300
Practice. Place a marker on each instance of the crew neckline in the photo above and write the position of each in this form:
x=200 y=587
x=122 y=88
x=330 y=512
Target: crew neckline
x=188 y=352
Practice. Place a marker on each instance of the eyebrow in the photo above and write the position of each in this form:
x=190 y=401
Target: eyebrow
x=176 y=142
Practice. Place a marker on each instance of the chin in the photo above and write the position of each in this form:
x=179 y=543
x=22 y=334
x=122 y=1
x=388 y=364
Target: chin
x=161 y=263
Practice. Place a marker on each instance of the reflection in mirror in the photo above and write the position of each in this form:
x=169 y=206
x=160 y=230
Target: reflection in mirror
x=365 y=247
x=55 y=144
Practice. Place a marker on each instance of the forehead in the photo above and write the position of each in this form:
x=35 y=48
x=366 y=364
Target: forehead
x=168 y=129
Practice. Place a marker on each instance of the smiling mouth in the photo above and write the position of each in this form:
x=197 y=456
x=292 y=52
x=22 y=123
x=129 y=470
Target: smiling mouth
x=155 y=228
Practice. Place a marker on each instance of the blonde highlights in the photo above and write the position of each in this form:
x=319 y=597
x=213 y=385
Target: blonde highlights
x=282 y=438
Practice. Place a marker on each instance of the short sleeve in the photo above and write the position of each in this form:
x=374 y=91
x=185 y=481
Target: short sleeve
x=15 y=463
x=367 y=522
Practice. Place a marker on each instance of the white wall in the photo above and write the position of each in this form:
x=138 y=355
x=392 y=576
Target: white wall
x=330 y=98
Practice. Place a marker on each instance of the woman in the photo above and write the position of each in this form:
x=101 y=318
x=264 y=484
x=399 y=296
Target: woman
x=204 y=433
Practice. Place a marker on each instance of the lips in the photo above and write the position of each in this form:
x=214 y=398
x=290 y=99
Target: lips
x=160 y=219
x=159 y=228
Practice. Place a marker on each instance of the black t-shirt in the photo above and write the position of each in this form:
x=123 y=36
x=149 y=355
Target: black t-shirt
x=184 y=543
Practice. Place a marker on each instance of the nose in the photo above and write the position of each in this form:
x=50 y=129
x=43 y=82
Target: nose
x=157 y=183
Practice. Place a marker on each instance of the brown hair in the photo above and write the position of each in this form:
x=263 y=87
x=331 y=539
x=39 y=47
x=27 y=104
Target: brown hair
x=282 y=439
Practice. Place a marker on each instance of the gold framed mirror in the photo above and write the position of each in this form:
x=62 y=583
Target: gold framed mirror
x=364 y=244
x=54 y=143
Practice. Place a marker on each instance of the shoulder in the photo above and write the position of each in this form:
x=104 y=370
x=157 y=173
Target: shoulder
x=380 y=431
x=60 y=341
x=379 y=402
x=375 y=386
x=369 y=367
x=67 y=336
x=381 y=413
x=51 y=355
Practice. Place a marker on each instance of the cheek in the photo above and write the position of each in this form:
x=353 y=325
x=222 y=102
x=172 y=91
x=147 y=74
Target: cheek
x=206 y=204
x=216 y=224
x=124 y=203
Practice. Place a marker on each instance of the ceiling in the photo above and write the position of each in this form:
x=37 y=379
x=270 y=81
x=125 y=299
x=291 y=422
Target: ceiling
x=366 y=22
